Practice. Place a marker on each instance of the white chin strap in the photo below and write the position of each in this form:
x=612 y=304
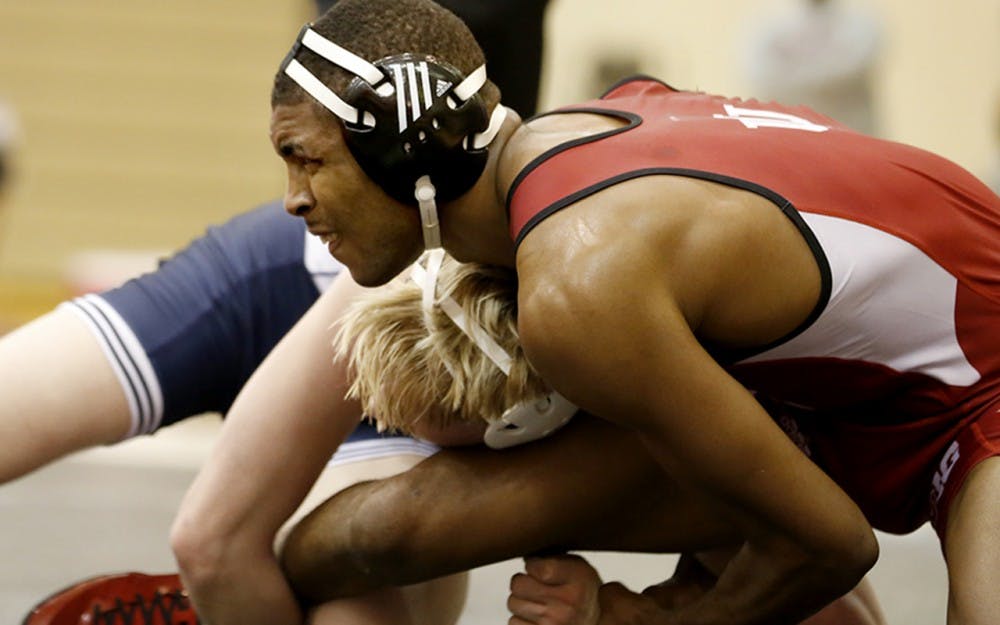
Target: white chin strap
x=425 y=192
x=523 y=423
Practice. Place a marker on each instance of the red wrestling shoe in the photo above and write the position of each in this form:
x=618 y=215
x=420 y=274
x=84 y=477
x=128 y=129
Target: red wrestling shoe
x=123 y=599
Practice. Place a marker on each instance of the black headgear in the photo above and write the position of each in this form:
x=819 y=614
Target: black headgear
x=406 y=116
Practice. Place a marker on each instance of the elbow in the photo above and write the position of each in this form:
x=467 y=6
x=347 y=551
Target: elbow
x=858 y=557
x=208 y=556
x=197 y=552
x=842 y=567
x=826 y=571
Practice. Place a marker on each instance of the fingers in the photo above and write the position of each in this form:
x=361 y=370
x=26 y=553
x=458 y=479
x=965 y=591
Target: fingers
x=561 y=569
x=618 y=604
x=547 y=612
x=558 y=590
x=615 y=592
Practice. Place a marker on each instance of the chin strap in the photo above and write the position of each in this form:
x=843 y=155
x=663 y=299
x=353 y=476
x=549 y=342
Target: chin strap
x=424 y=190
x=425 y=194
x=522 y=423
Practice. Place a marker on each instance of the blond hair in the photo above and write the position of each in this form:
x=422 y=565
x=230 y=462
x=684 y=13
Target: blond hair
x=408 y=366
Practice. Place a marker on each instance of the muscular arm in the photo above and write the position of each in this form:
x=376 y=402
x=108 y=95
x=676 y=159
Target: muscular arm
x=614 y=333
x=275 y=441
x=591 y=486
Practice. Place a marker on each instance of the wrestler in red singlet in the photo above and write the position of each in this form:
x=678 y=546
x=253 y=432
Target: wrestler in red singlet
x=893 y=383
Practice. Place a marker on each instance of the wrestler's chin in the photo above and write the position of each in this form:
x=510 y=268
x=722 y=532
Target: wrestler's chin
x=367 y=275
x=374 y=266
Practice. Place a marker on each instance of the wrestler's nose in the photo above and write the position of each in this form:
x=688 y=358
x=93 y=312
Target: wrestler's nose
x=299 y=198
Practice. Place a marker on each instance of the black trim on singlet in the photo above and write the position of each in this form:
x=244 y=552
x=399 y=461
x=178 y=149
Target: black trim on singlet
x=635 y=78
x=632 y=119
x=786 y=207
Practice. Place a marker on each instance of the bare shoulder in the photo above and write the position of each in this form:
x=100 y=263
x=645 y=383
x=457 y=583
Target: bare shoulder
x=729 y=261
x=536 y=136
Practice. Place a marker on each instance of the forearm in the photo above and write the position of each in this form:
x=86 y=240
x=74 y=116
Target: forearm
x=362 y=539
x=696 y=575
x=225 y=555
x=773 y=585
x=547 y=494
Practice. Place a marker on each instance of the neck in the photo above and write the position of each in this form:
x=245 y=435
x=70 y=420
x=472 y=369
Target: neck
x=476 y=231
x=474 y=226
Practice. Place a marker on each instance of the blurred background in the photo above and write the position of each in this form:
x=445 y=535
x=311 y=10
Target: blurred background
x=139 y=123
x=128 y=127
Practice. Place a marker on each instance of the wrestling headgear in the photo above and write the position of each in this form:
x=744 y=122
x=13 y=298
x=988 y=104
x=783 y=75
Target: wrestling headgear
x=416 y=125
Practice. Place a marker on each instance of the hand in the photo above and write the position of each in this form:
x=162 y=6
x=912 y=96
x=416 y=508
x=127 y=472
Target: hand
x=689 y=583
x=559 y=590
x=566 y=590
x=621 y=606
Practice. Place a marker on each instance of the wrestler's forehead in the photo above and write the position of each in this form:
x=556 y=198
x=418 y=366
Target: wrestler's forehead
x=299 y=124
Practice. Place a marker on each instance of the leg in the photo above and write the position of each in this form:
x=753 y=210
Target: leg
x=972 y=547
x=59 y=393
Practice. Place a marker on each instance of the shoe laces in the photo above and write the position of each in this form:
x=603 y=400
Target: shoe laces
x=144 y=611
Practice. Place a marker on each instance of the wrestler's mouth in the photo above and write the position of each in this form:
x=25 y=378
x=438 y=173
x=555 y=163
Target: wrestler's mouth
x=330 y=240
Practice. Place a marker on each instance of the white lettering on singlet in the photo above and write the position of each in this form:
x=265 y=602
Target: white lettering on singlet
x=758 y=118
x=941 y=476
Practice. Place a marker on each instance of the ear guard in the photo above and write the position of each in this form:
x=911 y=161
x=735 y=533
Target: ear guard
x=529 y=421
x=406 y=116
x=419 y=130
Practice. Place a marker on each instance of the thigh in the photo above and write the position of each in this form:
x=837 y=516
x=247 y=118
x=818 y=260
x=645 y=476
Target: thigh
x=972 y=547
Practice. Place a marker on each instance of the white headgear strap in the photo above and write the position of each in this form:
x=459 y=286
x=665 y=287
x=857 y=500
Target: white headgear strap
x=344 y=58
